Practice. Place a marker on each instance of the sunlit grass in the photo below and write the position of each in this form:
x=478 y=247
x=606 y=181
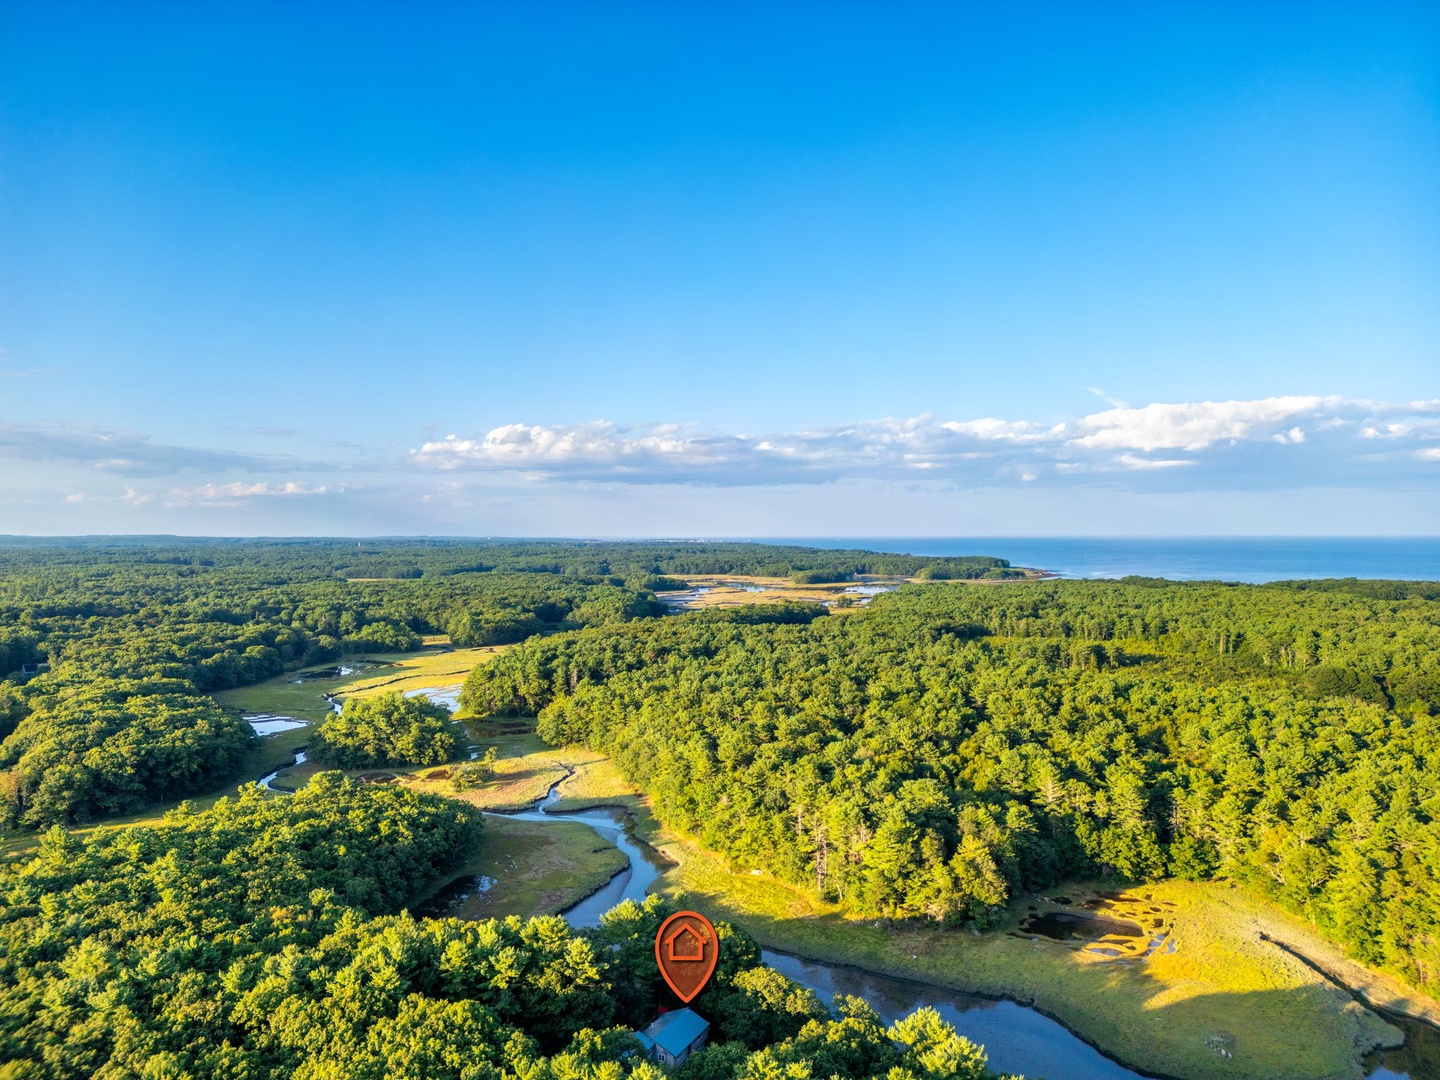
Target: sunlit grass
x=538 y=868
x=595 y=783
x=434 y=666
x=1164 y=1014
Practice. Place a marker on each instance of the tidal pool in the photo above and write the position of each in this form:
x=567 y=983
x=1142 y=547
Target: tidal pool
x=1016 y=1038
x=268 y=724
x=1069 y=926
x=448 y=696
x=339 y=672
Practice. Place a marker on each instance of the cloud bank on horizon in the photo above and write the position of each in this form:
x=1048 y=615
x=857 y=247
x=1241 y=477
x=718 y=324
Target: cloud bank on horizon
x=1225 y=440
x=653 y=272
x=1263 y=447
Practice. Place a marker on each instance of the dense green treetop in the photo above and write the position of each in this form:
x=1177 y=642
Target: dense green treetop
x=306 y=559
x=264 y=939
x=136 y=631
x=388 y=729
x=955 y=746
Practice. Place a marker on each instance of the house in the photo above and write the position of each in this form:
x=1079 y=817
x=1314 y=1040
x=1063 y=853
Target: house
x=675 y=1036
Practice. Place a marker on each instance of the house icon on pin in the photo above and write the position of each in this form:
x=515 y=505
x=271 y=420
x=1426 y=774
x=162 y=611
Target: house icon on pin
x=686 y=943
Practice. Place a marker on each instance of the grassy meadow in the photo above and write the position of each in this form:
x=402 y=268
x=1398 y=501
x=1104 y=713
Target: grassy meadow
x=1225 y=1002
x=433 y=666
x=1221 y=991
x=732 y=590
x=535 y=869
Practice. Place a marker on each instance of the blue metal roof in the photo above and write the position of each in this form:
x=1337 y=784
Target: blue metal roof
x=676 y=1030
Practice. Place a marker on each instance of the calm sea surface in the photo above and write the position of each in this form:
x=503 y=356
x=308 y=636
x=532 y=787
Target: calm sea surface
x=1226 y=559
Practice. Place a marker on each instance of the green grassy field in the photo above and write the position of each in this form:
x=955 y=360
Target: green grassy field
x=535 y=868
x=433 y=666
x=1222 y=987
x=595 y=783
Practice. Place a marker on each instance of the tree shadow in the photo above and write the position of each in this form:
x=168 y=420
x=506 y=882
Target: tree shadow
x=1142 y=1025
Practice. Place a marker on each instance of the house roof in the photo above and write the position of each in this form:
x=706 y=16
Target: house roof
x=676 y=1030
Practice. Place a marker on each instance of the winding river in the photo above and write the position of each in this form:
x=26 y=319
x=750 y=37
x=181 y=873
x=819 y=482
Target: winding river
x=1016 y=1038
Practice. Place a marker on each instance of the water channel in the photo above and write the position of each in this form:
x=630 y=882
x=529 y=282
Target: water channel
x=1016 y=1038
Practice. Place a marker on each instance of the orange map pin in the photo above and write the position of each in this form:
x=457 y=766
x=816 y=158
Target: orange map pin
x=686 y=948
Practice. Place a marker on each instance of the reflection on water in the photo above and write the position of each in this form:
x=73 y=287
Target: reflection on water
x=457 y=892
x=630 y=884
x=1417 y=1059
x=686 y=598
x=329 y=673
x=448 y=696
x=1016 y=1039
x=267 y=781
x=1066 y=925
x=270 y=724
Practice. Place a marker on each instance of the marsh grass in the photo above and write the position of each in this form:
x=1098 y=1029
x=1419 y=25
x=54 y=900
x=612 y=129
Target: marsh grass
x=1161 y=1013
x=536 y=868
x=433 y=666
x=595 y=782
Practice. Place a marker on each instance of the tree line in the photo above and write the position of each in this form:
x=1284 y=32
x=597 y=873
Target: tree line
x=266 y=939
x=136 y=632
x=629 y=563
x=953 y=748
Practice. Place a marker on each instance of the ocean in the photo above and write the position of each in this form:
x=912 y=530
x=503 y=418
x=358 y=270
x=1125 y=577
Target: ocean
x=1247 y=559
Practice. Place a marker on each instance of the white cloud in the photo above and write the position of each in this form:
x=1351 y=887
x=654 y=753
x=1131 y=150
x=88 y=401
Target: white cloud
x=1269 y=444
x=233 y=494
x=1131 y=461
x=975 y=452
x=602 y=449
x=1194 y=425
x=238 y=492
x=1018 y=431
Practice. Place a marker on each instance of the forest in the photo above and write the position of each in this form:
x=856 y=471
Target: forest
x=952 y=748
x=267 y=937
x=110 y=646
x=120 y=718
x=389 y=729
x=931 y=757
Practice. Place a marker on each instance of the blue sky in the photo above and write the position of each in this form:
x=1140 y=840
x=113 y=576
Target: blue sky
x=782 y=269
